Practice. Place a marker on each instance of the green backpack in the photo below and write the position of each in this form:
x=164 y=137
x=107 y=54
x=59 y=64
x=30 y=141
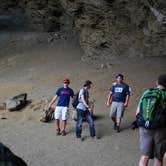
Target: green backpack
x=152 y=109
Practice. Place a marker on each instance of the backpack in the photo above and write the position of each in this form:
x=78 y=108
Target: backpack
x=16 y=103
x=134 y=125
x=47 y=115
x=152 y=109
x=7 y=158
x=75 y=100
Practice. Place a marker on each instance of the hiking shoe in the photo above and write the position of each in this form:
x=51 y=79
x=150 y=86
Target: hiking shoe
x=115 y=126
x=58 y=132
x=80 y=138
x=63 y=133
x=117 y=129
x=95 y=137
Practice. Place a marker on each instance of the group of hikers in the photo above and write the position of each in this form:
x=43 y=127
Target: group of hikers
x=150 y=114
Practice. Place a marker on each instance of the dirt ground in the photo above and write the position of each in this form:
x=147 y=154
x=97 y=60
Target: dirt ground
x=39 y=71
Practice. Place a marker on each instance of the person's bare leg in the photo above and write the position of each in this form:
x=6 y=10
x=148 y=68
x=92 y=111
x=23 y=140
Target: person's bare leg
x=64 y=123
x=144 y=161
x=57 y=123
x=164 y=158
x=157 y=162
x=113 y=119
x=118 y=121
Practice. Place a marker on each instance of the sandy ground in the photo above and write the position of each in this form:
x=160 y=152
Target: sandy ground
x=39 y=71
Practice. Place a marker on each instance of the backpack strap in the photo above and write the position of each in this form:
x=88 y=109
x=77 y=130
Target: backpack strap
x=163 y=97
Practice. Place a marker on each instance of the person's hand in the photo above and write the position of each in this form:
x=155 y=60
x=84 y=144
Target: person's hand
x=48 y=108
x=108 y=104
x=90 y=110
x=125 y=104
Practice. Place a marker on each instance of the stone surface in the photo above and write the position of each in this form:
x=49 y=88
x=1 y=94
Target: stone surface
x=106 y=28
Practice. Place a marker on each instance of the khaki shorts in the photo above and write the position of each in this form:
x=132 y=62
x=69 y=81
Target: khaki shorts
x=117 y=110
x=153 y=142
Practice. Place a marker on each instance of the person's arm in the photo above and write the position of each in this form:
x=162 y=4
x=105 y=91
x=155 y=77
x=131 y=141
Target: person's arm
x=72 y=93
x=127 y=100
x=84 y=101
x=139 y=103
x=138 y=107
x=52 y=101
x=128 y=92
x=138 y=110
x=109 y=99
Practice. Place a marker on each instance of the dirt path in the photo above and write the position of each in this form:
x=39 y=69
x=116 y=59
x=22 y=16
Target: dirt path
x=39 y=72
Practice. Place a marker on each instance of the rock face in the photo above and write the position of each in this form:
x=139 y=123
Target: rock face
x=106 y=28
x=111 y=28
x=38 y=15
x=11 y=17
x=45 y=15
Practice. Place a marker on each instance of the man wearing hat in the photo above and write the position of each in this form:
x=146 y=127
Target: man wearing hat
x=118 y=98
x=84 y=110
x=61 y=111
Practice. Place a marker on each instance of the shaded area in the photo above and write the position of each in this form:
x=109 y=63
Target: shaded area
x=8 y=158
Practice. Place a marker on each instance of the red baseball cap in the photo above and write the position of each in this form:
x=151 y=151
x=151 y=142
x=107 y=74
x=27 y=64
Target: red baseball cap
x=66 y=80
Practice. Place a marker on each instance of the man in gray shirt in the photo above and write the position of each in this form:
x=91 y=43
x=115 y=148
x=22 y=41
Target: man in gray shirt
x=84 y=110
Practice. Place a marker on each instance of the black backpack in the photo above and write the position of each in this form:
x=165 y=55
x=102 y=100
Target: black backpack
x=152 y=109
x=7 y=158
x=75 y=100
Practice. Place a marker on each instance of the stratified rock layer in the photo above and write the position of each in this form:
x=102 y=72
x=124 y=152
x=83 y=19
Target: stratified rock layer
x=106 y=28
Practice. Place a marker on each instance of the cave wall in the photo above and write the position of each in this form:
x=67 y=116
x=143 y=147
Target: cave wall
x=106 y=28
x=33 y=15
x=110 y=28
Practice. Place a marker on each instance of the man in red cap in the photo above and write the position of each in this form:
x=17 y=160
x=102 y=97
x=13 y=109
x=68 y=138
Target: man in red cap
x=61 y=111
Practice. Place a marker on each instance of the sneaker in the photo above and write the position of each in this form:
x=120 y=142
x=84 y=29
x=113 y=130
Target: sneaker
x=80 y=138
x=117 y=129
x=115 y=126
x=63 y=132
x=95 y=137
x=58 y=132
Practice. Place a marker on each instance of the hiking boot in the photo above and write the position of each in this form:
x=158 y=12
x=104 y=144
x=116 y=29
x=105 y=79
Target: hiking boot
x=115 y=125
x=58 y=132
x=80 y=138
x=95 y=137
x=63 y=132
x=117 y=129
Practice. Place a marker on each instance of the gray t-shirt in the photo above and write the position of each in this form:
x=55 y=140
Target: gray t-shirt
x=81 y=105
